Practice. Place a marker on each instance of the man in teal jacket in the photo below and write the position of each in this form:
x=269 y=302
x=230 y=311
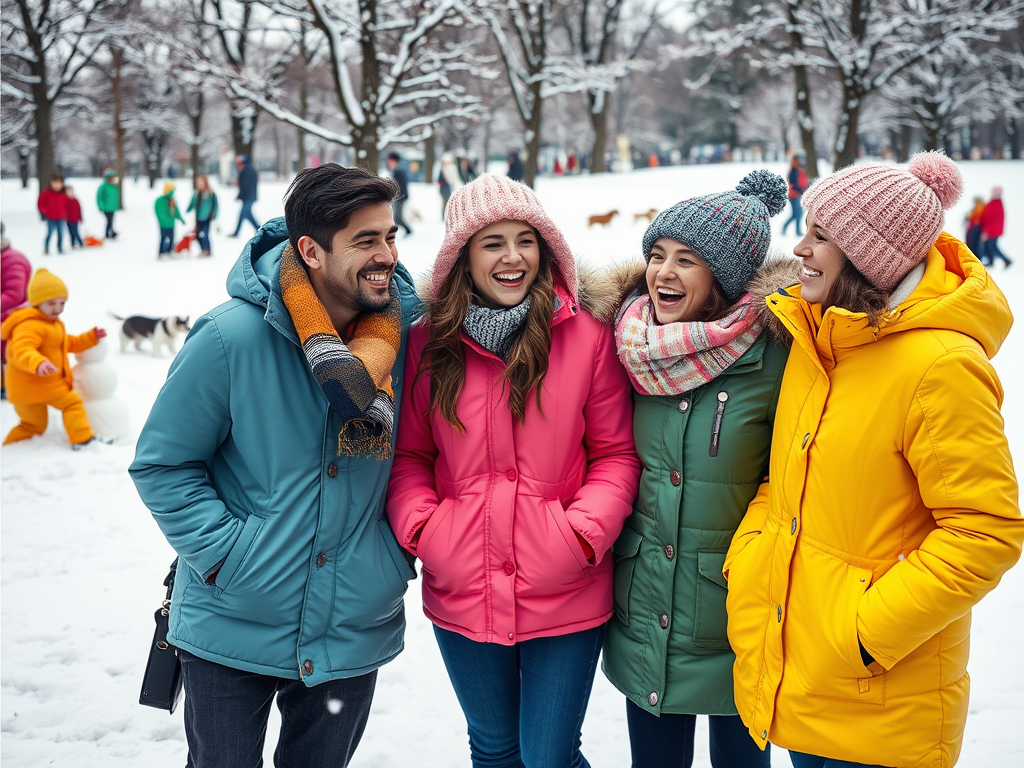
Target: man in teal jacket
x=265 y=460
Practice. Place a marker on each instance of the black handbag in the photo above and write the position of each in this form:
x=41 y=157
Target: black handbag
x=161 y=684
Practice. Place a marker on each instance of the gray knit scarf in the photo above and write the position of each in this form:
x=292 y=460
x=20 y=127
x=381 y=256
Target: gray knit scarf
x=496 y=329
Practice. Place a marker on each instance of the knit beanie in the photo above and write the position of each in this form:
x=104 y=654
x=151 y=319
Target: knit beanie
x=490 y=198
x=44 y=286
x=886 y=218
x=729 y=231
x=169 y=187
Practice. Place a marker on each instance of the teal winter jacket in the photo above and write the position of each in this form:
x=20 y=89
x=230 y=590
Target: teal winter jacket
x=205 y=206
x=238 y=463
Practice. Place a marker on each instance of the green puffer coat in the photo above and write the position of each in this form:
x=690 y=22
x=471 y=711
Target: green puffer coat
x=666 y=647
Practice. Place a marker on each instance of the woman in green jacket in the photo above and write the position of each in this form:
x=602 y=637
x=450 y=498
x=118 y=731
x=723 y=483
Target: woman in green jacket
x=706 y=380
x=167 y=212
x=204 y=203
x=108 y=200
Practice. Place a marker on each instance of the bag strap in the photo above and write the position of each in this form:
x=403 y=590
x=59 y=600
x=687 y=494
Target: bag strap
x=169 y=583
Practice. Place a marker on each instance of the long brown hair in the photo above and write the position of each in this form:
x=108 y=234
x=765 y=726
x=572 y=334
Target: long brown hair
x=444 y=356
x=852 y=291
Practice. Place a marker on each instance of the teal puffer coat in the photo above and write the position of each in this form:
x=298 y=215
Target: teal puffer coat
x=666 y=647
x=238 y=464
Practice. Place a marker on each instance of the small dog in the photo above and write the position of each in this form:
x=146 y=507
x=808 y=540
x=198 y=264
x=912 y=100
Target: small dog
x=648 y=215
x=160 y=331
x=603 y=219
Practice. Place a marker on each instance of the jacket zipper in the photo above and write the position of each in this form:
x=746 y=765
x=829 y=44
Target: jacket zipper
x=716 y=430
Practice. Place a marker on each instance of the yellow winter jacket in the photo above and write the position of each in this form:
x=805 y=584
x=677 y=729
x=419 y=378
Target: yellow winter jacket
x=32 y=338
x=890 y=509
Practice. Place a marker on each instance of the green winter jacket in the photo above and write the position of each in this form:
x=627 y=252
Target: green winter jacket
x=108 y=196
x=167 y=210
x=206 y=208
x=665 y=646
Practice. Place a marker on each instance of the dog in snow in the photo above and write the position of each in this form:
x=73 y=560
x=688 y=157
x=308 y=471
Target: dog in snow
x=159 y=331
x=604 y=219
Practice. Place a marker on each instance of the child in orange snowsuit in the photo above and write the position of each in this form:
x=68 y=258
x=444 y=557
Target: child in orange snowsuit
x=38 y=371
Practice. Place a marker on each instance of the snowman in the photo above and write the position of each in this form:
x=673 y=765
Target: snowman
x=96 y=381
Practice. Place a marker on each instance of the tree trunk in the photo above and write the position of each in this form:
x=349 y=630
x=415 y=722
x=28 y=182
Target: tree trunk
x=429 y=156
x=804 y=115
x=118 y=62
x=488 y=125
x=300 y=135
x=599 y=122
x=197 y=127
x=46 y=164
x=364 y=137
x=1014 y=135
x=846 y=134
x=243 y=128
x=532 y=137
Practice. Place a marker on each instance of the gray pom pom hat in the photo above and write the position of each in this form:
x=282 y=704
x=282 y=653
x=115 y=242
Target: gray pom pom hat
x=730 y=231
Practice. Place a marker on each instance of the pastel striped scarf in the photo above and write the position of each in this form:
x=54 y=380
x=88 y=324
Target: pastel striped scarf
x=678 y=357
x=356 y=378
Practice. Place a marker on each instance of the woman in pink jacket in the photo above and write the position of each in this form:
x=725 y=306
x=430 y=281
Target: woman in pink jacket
x=514 y=470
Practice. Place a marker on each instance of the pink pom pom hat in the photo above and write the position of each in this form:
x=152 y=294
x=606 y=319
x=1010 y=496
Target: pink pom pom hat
x=885 y=218
x=490 y=198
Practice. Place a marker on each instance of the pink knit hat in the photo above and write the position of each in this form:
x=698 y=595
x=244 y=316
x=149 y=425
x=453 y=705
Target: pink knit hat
x=885 y=218
x=490 y=198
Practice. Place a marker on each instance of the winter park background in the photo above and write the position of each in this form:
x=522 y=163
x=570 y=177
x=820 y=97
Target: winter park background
x=83 y=561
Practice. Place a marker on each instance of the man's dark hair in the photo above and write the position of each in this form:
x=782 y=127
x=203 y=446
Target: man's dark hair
x=321 y=200
x=394 y=156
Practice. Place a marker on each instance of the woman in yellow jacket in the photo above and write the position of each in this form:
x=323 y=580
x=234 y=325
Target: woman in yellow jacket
x=891 y=504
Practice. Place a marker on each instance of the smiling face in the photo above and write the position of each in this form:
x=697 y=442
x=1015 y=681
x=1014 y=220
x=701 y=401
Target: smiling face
x=822 y=262
x=504 y=258
x=53 y=307
x=679 y=282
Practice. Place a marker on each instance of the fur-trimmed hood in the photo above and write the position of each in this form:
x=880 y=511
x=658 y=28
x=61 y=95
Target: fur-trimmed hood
x=778 y=271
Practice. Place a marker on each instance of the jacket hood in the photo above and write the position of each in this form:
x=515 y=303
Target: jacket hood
x=17 y=317
x=955 y=293
x=108 y=175
x=778 y=271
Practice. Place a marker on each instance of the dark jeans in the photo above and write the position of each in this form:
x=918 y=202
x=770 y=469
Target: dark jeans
x=796 y=215
x=166 y=240
x=110 y=224
x=667 y=741
x=76 y=239
x=524 y=703
x=54 y=225
x=396 y=210
x=973 y=241
x=246 y=215
x=993 y=252
x=203 y=235
x=801 y=760
x=226 y=712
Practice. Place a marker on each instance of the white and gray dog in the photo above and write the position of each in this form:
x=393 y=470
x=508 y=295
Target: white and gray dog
x=160 y=331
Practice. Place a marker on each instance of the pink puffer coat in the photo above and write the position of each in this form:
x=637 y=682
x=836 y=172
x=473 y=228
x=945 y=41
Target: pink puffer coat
x=498 y=505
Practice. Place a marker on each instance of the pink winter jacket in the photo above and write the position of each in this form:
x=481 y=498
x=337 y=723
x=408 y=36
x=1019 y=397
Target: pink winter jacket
x=499 y=504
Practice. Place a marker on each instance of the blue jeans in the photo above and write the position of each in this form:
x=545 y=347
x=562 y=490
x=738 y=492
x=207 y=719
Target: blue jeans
x=246 y=215
x=524 y=703
x=203 y=235
x=54 y=225
x=73 y=235
x=226 y=713
x=800 y=760
x=992 y=252
x=796 y=215
x=397 y=211
x=110 y=224
x=667 y=741
x=166 y=240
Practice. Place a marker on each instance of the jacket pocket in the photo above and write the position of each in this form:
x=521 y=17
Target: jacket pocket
x=624 y=552
x=432 y=524
x=396 y=554
x=238 y=553
x=557 y=512
x=710 y=621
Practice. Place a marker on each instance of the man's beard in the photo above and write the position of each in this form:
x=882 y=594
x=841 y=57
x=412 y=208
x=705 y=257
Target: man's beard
x=360 y=300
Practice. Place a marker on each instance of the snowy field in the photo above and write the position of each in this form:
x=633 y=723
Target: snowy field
x=83 y=561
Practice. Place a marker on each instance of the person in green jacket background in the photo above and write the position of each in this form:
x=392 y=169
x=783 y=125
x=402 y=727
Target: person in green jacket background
x=108 y=200
x=204 y=203
x=706 y=380
x=167 y=212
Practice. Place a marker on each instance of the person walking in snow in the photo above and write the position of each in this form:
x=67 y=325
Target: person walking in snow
x=972 y=237
x=167 y=212
x=447 y=179
x=53 y=206
x=891 y=506
x=401 y=177
x=39 y=375
x=15 y=272
x=691 y=335
x=73 y=218
x=993 y=219
x=797 y=184
x=514 y=470
x=108 y=200
x=247 y=182
x=265 y=460
x=204 y=203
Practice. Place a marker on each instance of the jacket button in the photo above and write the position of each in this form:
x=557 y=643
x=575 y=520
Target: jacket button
x=663 y=620
x=684 y=406
x=320 y=560
x=652 y=699
x=792 y=527
x=670 y=551
x=509 y=635
x=510 y=568
x=307 y=667
x=511 y=475
x=332 y=469
x=675 y=477
x=764 y=734
x=778 y=612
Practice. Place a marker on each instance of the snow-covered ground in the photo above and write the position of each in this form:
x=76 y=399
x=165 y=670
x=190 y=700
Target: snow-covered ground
x=82 y=560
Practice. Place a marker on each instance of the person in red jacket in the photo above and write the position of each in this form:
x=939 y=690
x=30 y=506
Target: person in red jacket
x=73 y=218
x=52 y=206
x=992 y=220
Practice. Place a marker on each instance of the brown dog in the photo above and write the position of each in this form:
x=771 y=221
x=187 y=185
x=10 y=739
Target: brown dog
x=603 y=219
x=648 y=215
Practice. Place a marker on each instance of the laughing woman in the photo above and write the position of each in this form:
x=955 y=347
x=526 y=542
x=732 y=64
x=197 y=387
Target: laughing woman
x=891 y=507
x=707 y=379
x=514 y=470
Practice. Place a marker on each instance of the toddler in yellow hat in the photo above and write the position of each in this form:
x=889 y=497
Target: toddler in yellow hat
x=38 y=371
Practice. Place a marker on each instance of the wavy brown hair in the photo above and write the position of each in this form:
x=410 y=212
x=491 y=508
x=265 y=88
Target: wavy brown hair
x=852 y=291
x=444 y=356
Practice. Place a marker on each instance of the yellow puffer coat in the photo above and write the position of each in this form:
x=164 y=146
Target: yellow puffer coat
x=891 y=508
x=33 y=338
